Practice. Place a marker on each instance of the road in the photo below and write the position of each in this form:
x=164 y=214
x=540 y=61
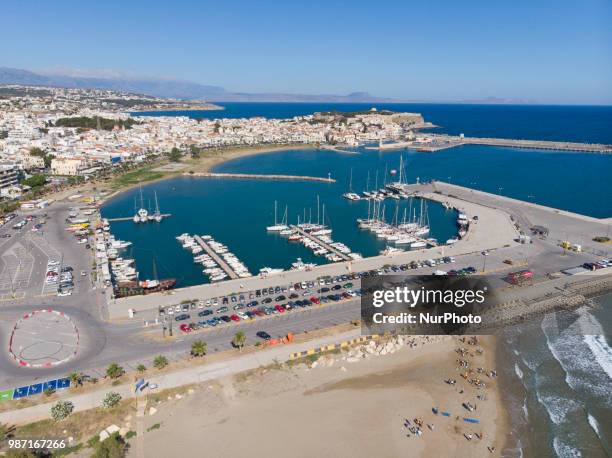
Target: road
x=129 y=343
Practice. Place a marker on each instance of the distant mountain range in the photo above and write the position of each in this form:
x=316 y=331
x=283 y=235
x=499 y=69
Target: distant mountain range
x=169 y=88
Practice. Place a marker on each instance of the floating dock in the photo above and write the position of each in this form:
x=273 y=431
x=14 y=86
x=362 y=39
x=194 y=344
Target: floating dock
x=218 y=259
x=252 y=176
x=327 y=246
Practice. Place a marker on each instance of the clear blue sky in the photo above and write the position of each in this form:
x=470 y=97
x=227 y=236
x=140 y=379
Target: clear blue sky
x=550 y=51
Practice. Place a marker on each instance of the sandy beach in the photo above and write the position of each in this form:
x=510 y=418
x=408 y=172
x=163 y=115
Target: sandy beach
x=339 y=407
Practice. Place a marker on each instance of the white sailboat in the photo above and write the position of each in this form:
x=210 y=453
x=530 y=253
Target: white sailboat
x=157 y=215
x=351 y=195
x=278 y=227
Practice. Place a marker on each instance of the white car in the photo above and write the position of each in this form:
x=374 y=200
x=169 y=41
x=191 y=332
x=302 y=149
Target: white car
x=83 y=273
x=170 y=311
x=177 y=309
x=64 y=293
x=242 y=315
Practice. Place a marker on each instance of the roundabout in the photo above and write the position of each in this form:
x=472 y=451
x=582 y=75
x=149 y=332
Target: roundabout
x=44 y=338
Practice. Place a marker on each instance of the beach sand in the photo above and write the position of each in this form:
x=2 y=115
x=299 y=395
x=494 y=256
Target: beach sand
x=327 y=411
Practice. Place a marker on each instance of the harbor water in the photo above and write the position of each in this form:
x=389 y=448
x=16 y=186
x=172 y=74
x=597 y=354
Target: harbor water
x=557 y=386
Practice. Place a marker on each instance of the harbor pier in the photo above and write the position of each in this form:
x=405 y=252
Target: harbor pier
x=131 y=218
x=438 y=142
x=218 y=259
x=316 y=239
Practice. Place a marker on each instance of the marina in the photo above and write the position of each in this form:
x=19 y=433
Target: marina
x=219 y=263
x=241 y=210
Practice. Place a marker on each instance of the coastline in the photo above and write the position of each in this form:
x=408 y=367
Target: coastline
x=311 y=400
x=206 y=163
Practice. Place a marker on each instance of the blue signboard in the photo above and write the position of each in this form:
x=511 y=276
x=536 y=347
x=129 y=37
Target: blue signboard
x=21 y=392
x=63 y=383
x=50 y=385
x=35 y=389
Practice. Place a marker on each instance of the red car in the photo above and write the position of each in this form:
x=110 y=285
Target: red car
x=314 y=300
x=258 y=312
x=185 y=328
x=280 y=308
x=235 y=318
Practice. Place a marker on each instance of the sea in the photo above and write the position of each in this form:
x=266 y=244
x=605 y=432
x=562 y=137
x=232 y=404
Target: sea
x=557 y=384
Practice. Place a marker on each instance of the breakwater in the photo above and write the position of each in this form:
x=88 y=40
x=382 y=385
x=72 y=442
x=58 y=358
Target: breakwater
x=254 y=176
x=437 y=142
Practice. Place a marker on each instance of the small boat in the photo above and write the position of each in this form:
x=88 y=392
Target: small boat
x=418 y=245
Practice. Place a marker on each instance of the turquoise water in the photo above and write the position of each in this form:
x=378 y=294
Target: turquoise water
x=236 y=212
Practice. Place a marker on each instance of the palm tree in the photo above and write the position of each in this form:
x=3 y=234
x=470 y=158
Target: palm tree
x=239 y=340
x=198 y=348
x=160 y=362
x=114 y=370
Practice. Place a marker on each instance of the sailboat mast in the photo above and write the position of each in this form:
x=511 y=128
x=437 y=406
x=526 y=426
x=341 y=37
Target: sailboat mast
x=351 y=181
x=401 y=168
x=318 y=221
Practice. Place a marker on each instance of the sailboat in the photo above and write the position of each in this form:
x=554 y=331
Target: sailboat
x=351 y=195
x=278 y=227
x=142 y=212
x=157 y=215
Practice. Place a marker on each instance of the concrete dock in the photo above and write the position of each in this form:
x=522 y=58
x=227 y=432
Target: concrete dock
x=441 y=142
x=131 y=218
x=218 y=259
x=252 y=176
x=315 y=239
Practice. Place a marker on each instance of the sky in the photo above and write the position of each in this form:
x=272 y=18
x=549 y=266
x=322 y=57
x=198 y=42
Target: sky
x=543 y=51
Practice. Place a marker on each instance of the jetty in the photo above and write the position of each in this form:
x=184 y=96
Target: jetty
x=327 y=246
x=438 y=142
x=218 y=259
x=131 y=218
x=252 y=176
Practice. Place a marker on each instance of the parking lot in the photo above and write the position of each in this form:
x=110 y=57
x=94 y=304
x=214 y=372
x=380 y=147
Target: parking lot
x=31 y=263
x=253 y=306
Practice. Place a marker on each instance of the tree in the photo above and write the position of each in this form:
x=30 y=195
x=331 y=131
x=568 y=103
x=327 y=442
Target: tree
x=75 y=379
x=61 y=410
x=114 y=371
x=141 y=368
x=175 y=155
x=111 y=400
x=112 y=447
x=36 y=151
x=160 y=362
x=239 y=340
x=35 y=181
x=48 y=158
x=198 y=348
x=195 y=151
